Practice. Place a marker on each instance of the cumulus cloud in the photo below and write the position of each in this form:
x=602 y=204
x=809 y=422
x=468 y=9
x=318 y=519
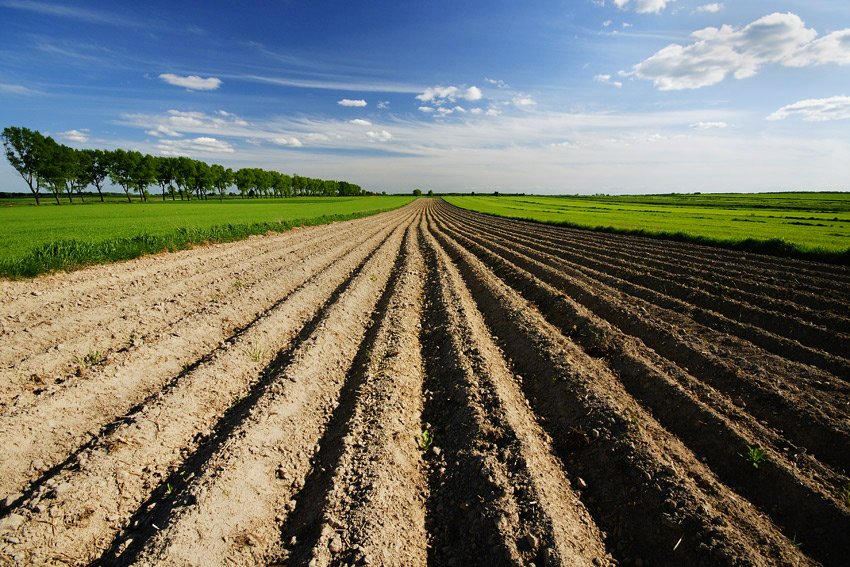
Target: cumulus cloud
x=816 y=109
x=191 y=82
x=360 y=122
x=349 y=102
x=75 y=136
x=384 y=104
x=382 y=136
x=201 y=145
x=606 y=79
x=708 y=125
x=712 y=8
x=643 y=6
x=523 y=101
x=426 y=109
x=291 y=142
x=440 y=95
x=719 y=52
x=832 y=48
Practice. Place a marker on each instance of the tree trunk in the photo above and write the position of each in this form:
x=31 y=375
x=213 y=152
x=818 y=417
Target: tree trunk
x=127 y=191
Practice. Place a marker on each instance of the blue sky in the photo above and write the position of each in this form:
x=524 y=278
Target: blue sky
x=578 y=96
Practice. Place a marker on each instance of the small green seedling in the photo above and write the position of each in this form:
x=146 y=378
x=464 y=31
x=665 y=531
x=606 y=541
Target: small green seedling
x=255 y=351
x=92 y=358
x=426 y=440
x=238 y=284
x=754 y=455
x=794 y=541
x=374 y=278
x=844 y=494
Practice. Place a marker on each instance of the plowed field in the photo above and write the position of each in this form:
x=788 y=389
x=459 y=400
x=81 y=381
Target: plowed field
x=589 y=399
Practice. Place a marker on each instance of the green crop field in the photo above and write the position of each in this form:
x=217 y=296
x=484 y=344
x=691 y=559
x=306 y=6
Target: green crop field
x=50 y=237
x=809 y=225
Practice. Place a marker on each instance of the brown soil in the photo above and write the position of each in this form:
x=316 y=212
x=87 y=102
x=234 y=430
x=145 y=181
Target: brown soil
x=428 y=386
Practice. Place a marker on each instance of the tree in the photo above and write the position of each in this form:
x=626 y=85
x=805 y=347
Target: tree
x=26 y=151
x=142 y=173
x=82 y=172
x=430 y=192
x=120 y=166
x=244 y=180
x=202 y=179
x=165 y=174
x=221 y=179
x=184 y=174
x=96 y=170
x=55 y=168
x=417 y=192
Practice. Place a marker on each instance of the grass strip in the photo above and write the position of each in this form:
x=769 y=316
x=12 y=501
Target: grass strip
x=764 y=246
x=72 y=254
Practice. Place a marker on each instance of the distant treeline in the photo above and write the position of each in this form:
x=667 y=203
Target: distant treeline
x=45 y=164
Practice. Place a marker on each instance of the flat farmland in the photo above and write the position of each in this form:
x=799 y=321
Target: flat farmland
x=806 y=224
x=428 y=386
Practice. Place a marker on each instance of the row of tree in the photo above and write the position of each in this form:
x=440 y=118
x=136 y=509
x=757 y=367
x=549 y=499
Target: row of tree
x=44 y=163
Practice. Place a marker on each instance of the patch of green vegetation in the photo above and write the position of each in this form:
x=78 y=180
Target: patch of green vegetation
x=754 y=455
x=426 y=440
x=50 y=238
x=813 y=226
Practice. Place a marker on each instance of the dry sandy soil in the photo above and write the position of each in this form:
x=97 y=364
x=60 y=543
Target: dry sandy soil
x=588 y=399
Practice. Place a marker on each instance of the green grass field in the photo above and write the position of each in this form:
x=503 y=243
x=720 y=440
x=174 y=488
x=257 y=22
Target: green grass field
x=809 y=225
x=34 y=239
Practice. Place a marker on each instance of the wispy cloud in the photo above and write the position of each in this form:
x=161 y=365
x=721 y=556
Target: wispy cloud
x=201 y=146
x=360 y=122
x=816 y=110
x=71 y=12
x=382 y=136
x=18 y=90
x=606 y=79
x=643 y=6
x=708 y=125
x=192 y=82
x=440 y=95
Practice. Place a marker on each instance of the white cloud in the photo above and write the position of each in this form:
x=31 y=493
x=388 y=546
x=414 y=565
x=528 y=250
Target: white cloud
x=384 y=104
x=499 y=83
x=718 y=52
x=816 y=110
x=607 y=23
x=192 y=82
x=472 y=93
x=475 y=111
x=523 y=101
x=198 y=146
x=712 y=8
x=382 y=136
x=292 y=142
x=644 y=6
x=426 y=109
x=349 y=102
x=708 y=125
x=440 y=95
x=832 y=48
x=162 y=130
x=360 y=122
x=17 y=90
x=606 y=79
x=74 y=136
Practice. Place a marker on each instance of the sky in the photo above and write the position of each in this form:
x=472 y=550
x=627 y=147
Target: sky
x=547 y=97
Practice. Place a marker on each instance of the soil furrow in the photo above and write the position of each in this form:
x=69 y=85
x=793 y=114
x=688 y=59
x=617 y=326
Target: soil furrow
x=60 y=422
x=499 y=495
x=750 y=323
x=635 y=484
x=794 y=275
x=364 y=501
x=805 y=424
x=124 y=465
x=69 y=343
x=713 y=436
x=767 y=312
x=246 y=484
